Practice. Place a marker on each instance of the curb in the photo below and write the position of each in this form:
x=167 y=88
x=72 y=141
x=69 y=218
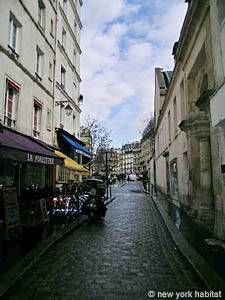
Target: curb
x=201 y=267
x=9 y=279
x=111 y=200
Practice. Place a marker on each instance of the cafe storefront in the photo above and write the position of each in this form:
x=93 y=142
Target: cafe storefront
x=27 y=175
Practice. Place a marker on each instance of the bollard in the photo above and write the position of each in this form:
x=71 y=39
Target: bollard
x=110 y=192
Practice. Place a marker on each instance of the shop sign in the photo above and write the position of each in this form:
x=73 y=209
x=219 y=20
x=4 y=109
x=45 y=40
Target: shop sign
x=33 y=158
x=12 y=216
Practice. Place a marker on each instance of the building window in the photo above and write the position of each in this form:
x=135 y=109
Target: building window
x=75 y=27
x=182 y=101
x=65 y=6
x=39 y=62
x=37 y=119
x=50 y=71
x=52 y=28
x=41 y=13
x=49 y=119
x=169 y=125
x=63 y=77
x=63 y=38
x=75 y=92
x=11 y=102
x=175 y=115
x=74 y=124
x=221 y=10
x=174 y=178
x=14 y=31
x=74 y=58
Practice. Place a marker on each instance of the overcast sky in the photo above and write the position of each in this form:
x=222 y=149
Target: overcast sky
x=122 y=42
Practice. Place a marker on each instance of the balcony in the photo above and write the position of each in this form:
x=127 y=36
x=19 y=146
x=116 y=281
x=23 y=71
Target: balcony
x=9 y=122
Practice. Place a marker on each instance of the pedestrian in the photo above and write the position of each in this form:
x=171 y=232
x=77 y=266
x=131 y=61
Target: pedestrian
x=145 y=180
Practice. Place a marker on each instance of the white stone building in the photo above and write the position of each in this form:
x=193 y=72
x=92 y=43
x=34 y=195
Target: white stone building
x=67 y=68
x=217 y=110
x=190 y=140
x=39 y=74
x=127 y=156
x=27 y=55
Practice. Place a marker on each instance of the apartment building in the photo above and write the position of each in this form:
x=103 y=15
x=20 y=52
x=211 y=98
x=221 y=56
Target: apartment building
x=137 y=159
x=27 y=55
x=189 y=141
x=127 y=157
x=67 y=68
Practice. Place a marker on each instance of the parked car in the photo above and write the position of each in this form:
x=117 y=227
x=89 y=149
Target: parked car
x=132 y=177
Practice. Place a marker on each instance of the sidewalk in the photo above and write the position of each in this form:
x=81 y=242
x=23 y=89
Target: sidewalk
x=9 y=278
x=190 y=239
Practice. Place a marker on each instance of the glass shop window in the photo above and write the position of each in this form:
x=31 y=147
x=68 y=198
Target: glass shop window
x=7 y=173
x=34 y=176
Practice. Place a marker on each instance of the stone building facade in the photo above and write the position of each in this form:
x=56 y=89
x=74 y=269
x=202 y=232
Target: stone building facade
x=40 y=73
x=67 y=67
x=189 y=149
x=40 y=67
x=217 y=111
x=127 y=156
x=27 y=49
x=137 y=159
x=147 y=147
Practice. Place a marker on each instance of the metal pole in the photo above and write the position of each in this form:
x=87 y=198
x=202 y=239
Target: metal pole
x=106 y=170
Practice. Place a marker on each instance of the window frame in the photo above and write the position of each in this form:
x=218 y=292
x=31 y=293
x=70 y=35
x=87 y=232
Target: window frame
x=65 y=6
x=52 y=28
x=63 y=38
x=50 y=71
x=63 y=77
x=37 y=130
x=10 y=121
x=14 y=35
x=175 y=115
x=49 y=120
x=169 y=125
x=39 y=62
x=41 y=14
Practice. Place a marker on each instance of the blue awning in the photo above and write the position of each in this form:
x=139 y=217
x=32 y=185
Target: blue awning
x=77 y=147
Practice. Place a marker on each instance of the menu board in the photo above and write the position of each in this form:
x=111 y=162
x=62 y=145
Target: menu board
x=12 y=216
x=44 y=210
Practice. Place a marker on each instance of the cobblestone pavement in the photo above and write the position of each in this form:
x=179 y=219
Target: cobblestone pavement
x=124 y=257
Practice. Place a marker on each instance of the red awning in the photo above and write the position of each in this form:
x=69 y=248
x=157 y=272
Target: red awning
x=17 y=146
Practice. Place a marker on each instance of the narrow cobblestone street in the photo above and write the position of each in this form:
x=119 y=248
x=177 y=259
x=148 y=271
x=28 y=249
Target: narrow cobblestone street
x=124 y=257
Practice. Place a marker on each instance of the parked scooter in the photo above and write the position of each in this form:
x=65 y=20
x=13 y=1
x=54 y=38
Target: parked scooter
x=92 y=203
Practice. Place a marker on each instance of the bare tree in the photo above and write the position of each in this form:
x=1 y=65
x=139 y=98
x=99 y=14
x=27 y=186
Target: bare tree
x=150 y=127
x=101 y=141
x=101 y=136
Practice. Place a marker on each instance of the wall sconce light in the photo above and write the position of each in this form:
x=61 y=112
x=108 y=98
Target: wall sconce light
x=80 y=99
x=68 y=110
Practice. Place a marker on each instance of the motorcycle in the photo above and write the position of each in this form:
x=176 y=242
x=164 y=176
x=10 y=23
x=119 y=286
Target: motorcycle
x=92 y=203
x=92 y=206
x=63 y=209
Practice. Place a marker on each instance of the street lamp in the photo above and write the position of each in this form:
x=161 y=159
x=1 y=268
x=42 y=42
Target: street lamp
x=107 y=161
x=68 y=108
